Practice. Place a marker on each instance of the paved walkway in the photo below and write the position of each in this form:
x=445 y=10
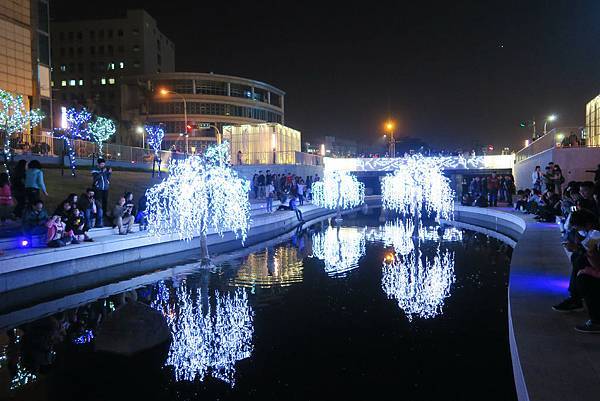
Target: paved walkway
x=558 y=363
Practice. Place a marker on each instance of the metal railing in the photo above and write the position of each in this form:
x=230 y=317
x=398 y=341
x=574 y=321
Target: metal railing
x=277 y=157
x=549 y=141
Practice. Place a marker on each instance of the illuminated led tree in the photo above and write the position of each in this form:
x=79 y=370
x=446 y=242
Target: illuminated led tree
x=418 y=185
x=338 y=190
x=340 y=248
x=101 y=129
x=200 y=193
x=76 y=128
x=15 y=118
x=155 y=135
x=419 y=284
x=209 y=339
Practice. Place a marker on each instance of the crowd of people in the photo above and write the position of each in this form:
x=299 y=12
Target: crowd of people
x=291 y=190
x=488 y=190
x=75 y=216
x=575 y=207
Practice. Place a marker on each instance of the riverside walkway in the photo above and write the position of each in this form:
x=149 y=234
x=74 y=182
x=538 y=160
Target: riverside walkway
x=551 y=361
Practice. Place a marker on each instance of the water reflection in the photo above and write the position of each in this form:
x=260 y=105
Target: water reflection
x=210 y=333
x=440 y=233
x=397 y=234
x=275 y=267
x=418 y=283
x=340 y=248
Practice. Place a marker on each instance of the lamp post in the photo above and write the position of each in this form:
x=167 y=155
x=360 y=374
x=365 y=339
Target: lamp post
x=389 y=127
x=550 y=118
x=165 y=92
x=140 y=130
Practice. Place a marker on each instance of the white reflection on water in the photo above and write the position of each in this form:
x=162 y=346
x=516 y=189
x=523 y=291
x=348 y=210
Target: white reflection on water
x=340 y=248
x=209 y=339
x=419 y=284
x=397 y=234
x=439 y=233
x=278 y=267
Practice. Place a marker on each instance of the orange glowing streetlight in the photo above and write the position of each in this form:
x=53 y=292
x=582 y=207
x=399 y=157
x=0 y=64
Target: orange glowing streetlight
x=165 y=92
x=389 y=126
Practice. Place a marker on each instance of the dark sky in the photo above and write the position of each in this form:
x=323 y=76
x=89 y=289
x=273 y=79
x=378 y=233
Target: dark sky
x=450 y=72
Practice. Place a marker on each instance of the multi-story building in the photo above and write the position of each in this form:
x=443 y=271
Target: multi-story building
x=592 y=122
x=91 y=57
x=210 y=100
x=25 y=56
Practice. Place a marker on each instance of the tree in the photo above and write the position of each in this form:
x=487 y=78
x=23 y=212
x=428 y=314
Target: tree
x=155 y=135
x=15 y=118
x=418 y=186
x=101 y=129
x=338 y=190
x=77 y=128
x=200 y=192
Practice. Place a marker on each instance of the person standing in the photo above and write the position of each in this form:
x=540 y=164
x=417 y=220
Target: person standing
x=261 y=185
x=34 y=182
x=270 y=193
x=6 y=200
x=492 y=187
x=557 y=179
x=18 y=187
x=300 y=188
x=101 y=182
x=536 y=178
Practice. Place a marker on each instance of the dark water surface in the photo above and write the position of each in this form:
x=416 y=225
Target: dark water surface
x=358 y=312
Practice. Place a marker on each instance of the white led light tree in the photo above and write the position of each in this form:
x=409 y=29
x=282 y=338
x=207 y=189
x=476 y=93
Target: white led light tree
x=340 y=248
x=419 y=285
x=418 y=185
x=15 y=118
x=101 y=129
x=338 y=190
x=208 y=339
x=200 y=193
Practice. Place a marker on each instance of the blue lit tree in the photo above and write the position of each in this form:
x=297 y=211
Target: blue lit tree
x=155 y=135
x=77 y=128
x=101 y=129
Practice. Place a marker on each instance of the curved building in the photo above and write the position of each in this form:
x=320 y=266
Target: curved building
x=210 y=100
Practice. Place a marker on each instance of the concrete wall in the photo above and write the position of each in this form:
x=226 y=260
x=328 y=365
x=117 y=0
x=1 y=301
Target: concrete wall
x=573 y=162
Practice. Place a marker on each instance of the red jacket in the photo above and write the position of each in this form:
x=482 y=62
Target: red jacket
x=493 y=183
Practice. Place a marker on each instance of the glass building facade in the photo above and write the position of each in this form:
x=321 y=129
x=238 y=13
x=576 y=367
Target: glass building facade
x=592 y=122
x=262 y=143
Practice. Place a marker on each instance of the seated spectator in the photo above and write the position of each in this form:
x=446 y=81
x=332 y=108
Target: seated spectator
x=64 y=211
x=122 y=216
x=91 y=209
x=130 y=203
x=76 y=226
x=72 y=199
x=142 y=215
x=56 y=236
x=34 y=219
x=585 y=224
x=588 y=286
x=6 y=200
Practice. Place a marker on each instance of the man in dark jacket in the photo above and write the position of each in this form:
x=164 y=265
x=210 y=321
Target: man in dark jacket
x=492 y=186
x=34 y=219
x=102 y=182
x=91 y=209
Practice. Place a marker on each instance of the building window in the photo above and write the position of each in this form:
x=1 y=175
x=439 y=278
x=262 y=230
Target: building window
x=101 y=50
x=111 y=50
x=103 y=81
x=121 y=65
x=135 y=31
x=71 y=52
x=63 y=67
x=110 y=33
x=111 y=81
x=62 y=51
x=120 y=33
x=158 y=59
x=79 y=36
x=92 y=35
x=101 y=34
x=121 y=49
x=81 y=82
x=136 y=48
x=72 y=82
x=80 y=67
x=63 y=83
x=136 y=64
x=43 y=17
x=79 y=51
x=111 y=66
x=70 y=35
x=62 y=36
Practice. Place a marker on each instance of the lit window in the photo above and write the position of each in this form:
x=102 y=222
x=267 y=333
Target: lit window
x=111 y=81
x=111 y=66
x=103 y=81
x=121 y=65
x=72 y=82
x=51 y=83
x=81 y=82
x=63 y=83
x=63 y=68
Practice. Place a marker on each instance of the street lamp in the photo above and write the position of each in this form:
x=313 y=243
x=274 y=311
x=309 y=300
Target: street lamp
x=550 y=118
x=165 y=92
x=140 y=130
x=389 y=127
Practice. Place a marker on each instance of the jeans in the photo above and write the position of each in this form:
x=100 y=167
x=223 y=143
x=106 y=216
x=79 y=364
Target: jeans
x=93 y=220
x=493 y=197
x=270 y=203
x=589 y=287
x=301 y=198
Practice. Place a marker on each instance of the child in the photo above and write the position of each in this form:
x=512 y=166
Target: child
x=76 y=225
x=55 y=237
x=6 y=200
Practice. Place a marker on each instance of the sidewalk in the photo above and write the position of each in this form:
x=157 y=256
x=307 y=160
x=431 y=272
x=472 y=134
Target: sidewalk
x=558 y=363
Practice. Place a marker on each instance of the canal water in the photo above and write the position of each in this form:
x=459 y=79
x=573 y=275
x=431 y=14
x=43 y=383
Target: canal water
x=360 y=310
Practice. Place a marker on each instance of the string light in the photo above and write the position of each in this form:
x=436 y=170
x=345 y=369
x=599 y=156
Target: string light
x=419 y=284
x=154 y=137
x=76 y=128
x=15 y=118
x=418 y=185
x=200 y=192
x=101 y=129
x=338 y=190
x=340 y=248
x=208 y=340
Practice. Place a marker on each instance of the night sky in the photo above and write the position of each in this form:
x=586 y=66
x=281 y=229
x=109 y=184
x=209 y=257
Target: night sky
x=451 y=73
